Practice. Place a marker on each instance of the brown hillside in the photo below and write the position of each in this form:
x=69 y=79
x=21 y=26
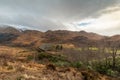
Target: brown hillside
x=29 y=38
x=35 y=38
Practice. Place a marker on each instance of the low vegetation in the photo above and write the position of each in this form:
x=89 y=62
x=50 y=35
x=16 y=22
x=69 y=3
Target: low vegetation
x=90 y=63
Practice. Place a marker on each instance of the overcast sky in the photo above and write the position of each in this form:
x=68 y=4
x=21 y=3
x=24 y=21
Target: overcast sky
x=99 y=16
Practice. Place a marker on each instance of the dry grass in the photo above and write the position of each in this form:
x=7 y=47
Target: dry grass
x=11 y=68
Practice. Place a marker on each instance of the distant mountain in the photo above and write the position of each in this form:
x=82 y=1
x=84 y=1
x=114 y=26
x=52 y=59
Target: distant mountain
x=90 y=35
x=9 y=29
x=64 y=35
x=29 y=38
x=34 y=38
x=115 y=37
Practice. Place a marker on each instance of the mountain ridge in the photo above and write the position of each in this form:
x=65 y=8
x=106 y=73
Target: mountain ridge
x=36 y=38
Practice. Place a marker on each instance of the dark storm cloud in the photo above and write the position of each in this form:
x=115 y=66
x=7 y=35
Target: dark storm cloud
x=49 y=14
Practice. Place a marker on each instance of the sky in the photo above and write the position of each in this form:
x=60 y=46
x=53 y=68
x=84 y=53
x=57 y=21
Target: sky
x=99 y=16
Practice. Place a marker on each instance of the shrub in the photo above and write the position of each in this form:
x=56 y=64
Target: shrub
x=50 y=57
x=101 y=68
x=10 y=67
x=77 y=64
x=89 y=67
x=62 y=63
x=107 y=69
x=111 y=72
x=42 y=56
x=30 y=57
x=20 y=78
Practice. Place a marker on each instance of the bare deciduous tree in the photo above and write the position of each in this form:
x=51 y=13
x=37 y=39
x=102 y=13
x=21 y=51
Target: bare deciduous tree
x=113 y=47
